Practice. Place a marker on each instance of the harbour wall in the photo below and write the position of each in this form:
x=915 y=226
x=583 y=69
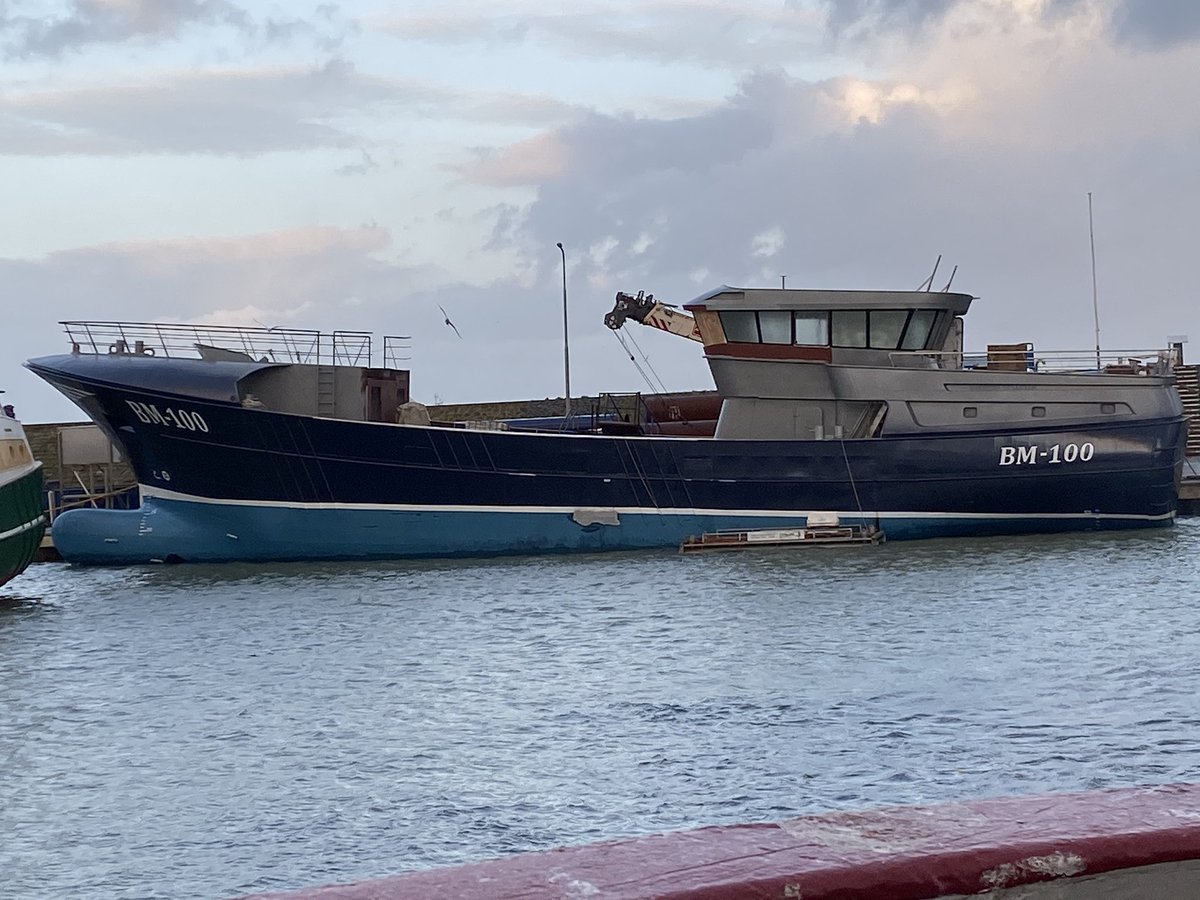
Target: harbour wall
x=1129 y=843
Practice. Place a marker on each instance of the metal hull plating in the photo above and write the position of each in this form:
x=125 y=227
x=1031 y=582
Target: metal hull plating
x=223 y=482
x=172 y=530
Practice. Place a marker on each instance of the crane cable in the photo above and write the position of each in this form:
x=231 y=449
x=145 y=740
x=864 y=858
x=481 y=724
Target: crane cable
x=661 y=388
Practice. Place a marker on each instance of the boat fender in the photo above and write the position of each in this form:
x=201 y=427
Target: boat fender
x=586 y=517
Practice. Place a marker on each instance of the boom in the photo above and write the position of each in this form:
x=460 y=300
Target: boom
x=645 y=310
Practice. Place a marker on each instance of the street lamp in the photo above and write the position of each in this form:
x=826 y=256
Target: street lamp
x=566 y=346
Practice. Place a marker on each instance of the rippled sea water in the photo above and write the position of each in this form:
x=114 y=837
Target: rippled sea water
x=206 y=731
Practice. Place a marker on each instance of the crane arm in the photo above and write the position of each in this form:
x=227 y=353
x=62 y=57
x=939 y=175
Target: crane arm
x=645 y=310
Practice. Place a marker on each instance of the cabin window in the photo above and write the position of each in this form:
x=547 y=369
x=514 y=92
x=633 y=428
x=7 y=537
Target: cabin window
x=970 y=412
x=886 y=327
x=740 y=325
x=916 y=336
x=1108 y=407
x=775 y=326
x=849 y=327
x=812 y=328
x=1039 y=412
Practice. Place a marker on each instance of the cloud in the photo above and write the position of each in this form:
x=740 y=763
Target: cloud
x=273 y=273
x=981 y=146
x=858 y=17
x=243 y=111
x=229 y=111
x=535 y=161
x=85 y=25
x=89 y=22
x=768 y=243
x=624 y=145
x=865 y=19
x=709 y=33
x=1144 y=24
x=1157 y=23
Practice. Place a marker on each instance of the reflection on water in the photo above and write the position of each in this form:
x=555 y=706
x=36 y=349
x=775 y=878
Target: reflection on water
x=199 y=731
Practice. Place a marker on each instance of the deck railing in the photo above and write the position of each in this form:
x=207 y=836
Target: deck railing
x=1024 y=358
x=276 y=344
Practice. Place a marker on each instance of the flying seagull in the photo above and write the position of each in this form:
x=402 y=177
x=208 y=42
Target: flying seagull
x=448 y=322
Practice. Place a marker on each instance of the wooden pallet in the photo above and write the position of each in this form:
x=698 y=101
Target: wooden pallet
x=812 y=535
x=1187 y=383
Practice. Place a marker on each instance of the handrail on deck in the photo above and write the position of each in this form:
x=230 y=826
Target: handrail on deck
x=1005 y=357
x=274 y=344
x=394 y=345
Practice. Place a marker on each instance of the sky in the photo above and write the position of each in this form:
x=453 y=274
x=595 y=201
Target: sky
x=364 y=165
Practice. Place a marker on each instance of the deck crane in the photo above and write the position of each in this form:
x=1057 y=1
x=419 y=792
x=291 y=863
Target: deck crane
x=646 y=310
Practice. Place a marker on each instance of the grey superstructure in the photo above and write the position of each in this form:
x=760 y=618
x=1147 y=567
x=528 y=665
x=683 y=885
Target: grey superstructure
x=805 y=364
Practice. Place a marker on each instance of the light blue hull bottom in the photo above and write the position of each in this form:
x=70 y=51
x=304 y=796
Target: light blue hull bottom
x=170 y=530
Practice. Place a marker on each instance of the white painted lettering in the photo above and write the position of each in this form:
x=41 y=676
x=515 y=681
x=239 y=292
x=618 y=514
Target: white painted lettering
x=149 y=414
x=138 y=411
x=1055 y=454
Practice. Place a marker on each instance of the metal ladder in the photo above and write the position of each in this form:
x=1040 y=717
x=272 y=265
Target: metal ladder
x=326 y=396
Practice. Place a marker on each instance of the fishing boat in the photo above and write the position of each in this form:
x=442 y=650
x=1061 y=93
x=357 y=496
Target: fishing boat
x=22 y=523
x=257 y=444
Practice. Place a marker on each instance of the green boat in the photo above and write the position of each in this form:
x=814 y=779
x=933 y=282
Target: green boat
x=22 y=522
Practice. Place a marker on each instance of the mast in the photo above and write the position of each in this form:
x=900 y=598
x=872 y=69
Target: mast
x=1095 y=301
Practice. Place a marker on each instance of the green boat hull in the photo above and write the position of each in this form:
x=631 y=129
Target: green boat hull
x=22 y=522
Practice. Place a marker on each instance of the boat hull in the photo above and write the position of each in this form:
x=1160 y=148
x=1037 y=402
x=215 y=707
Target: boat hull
x=173 y=530
x=222 y=482
x=22 y=522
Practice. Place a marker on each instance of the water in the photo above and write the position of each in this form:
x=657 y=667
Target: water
x=204 y=731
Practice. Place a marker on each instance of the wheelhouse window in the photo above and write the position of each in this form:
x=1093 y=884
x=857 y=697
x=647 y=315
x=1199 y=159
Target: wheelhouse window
x=879 y=329
x=886 y=327
x=849 y=327
x=775 y=325
x=916 y=336
x=740 y=325
x=812 y=329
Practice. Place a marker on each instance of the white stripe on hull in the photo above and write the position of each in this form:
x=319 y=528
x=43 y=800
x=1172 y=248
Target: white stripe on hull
x=148 y=491
x=21 y=529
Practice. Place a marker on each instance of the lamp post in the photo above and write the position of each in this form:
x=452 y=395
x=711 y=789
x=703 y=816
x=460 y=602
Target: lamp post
x=566 y=344
x=1095 y=302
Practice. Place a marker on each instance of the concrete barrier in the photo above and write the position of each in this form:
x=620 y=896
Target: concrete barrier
x=1139 y=842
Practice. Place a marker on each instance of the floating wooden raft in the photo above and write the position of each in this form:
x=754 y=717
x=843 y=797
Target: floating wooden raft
x=811 y=534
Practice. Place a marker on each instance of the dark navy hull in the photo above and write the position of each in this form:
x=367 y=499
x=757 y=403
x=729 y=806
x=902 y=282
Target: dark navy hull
x=223 y=482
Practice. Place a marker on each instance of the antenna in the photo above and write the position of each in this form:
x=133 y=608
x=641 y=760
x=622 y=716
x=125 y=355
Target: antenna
x=566 y=345
x=1095 y=301
x=953 y=272
x=928 y=282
